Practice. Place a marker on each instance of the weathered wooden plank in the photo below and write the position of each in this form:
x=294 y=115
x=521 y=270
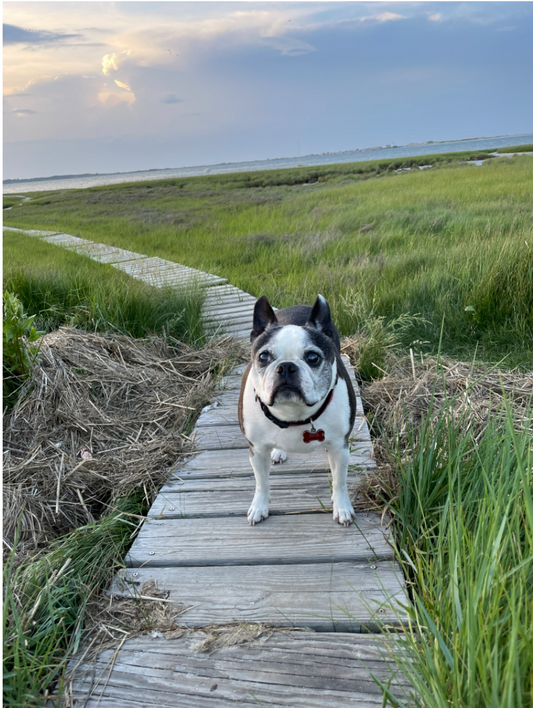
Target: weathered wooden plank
x=31 y=232
x=346 y=597
x=227 y=437
x=65 y=240
x=153 y=269
x=305 y=538
x=218 y=415
x=286 y=670
x=298 y=498
x=177 y=270
x=278 y=482
x=236 y=463
x=119 y=255
x=230 y=319
x=147 y=265
x=170 y=279
x=212 y=314
x=246 y=323
x=212 y=464
x=229 y=299
x=229 y=289
x=240 y=330
x=232 y=497
x=92 y=249
x=230 y=382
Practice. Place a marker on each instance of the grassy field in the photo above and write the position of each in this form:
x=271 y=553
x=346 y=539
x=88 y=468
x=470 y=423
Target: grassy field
x=63 y=288
x=451 y=244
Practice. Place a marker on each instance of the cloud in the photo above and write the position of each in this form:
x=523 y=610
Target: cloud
x=109 y=64
x=19 y=35
x=120 y=84
x=436 y=17
x=24 y=111
x=288 y=46
x=388 y=17
x=171 y=98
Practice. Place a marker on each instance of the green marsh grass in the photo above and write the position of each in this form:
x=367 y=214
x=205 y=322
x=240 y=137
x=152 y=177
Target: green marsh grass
x=45 y=601
x=516 y=148
x=63 y=288
x=10 y=202
x=451 y=243
x=464 y=534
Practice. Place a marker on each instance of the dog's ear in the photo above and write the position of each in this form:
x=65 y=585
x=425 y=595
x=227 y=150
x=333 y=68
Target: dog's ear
x=320 y=317
x=264 y=316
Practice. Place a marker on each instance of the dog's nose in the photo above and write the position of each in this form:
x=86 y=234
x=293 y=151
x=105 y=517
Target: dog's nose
x=286 y=369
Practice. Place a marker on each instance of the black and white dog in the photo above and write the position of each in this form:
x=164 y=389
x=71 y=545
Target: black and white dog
x=296 y=396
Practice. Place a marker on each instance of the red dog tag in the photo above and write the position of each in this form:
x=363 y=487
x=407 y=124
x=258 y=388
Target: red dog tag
x=314 y=435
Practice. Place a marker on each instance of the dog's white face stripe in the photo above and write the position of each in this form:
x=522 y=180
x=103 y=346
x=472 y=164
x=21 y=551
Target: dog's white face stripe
x=290 y=342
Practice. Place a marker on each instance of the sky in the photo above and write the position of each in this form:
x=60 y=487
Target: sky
x=119 y=86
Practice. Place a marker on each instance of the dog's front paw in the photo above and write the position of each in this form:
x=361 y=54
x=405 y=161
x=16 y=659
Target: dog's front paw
x=278 y=456
x=258 y=511
x=343 y=512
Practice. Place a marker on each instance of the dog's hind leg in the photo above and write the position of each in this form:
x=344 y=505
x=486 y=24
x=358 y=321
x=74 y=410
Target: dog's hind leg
x=260 y=461
x=278 y=456
x=342 y=507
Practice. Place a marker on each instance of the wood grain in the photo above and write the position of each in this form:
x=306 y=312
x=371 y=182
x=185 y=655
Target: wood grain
x=236 y=463
x=327 y=597
x=232 y=497
x=306 y=538
x=286 y=670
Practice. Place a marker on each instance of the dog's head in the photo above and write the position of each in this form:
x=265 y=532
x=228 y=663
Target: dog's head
x=293 y=358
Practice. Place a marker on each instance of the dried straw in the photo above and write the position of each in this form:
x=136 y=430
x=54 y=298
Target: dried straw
x=125 y=403
x=415 y=387
x=401 y=399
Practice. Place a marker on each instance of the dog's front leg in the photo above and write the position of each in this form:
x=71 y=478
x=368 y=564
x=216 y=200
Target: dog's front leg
x=342 y=507
x=260 y=461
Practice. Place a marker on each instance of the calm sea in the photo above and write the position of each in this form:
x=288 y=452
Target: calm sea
x=80 y=182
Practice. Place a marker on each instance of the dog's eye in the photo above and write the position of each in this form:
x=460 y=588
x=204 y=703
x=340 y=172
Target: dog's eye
x=264 y=357
x=312 y=358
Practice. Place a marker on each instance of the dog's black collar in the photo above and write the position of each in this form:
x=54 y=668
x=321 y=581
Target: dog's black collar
x=289 y=424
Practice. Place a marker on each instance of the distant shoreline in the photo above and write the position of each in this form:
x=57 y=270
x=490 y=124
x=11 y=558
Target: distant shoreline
x=268 y=159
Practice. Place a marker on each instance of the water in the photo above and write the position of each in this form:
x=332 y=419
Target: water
x=83 y=181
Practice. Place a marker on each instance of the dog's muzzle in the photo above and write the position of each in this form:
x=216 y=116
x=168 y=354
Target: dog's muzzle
x=286 y=383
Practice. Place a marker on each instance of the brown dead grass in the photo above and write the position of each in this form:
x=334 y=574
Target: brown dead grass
x=123 y=404
x=416 y=387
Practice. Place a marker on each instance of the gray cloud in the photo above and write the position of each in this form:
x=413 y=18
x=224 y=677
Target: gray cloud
x=19 y=35
x=26 y=111
x=171 y=98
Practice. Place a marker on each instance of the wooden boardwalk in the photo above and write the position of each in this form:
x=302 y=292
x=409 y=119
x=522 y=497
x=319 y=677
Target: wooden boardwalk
x=321 y=588
x=323 y=591
x=226 y=309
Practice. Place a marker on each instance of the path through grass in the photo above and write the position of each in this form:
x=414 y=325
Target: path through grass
x=452 y=243
x=64 y=288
